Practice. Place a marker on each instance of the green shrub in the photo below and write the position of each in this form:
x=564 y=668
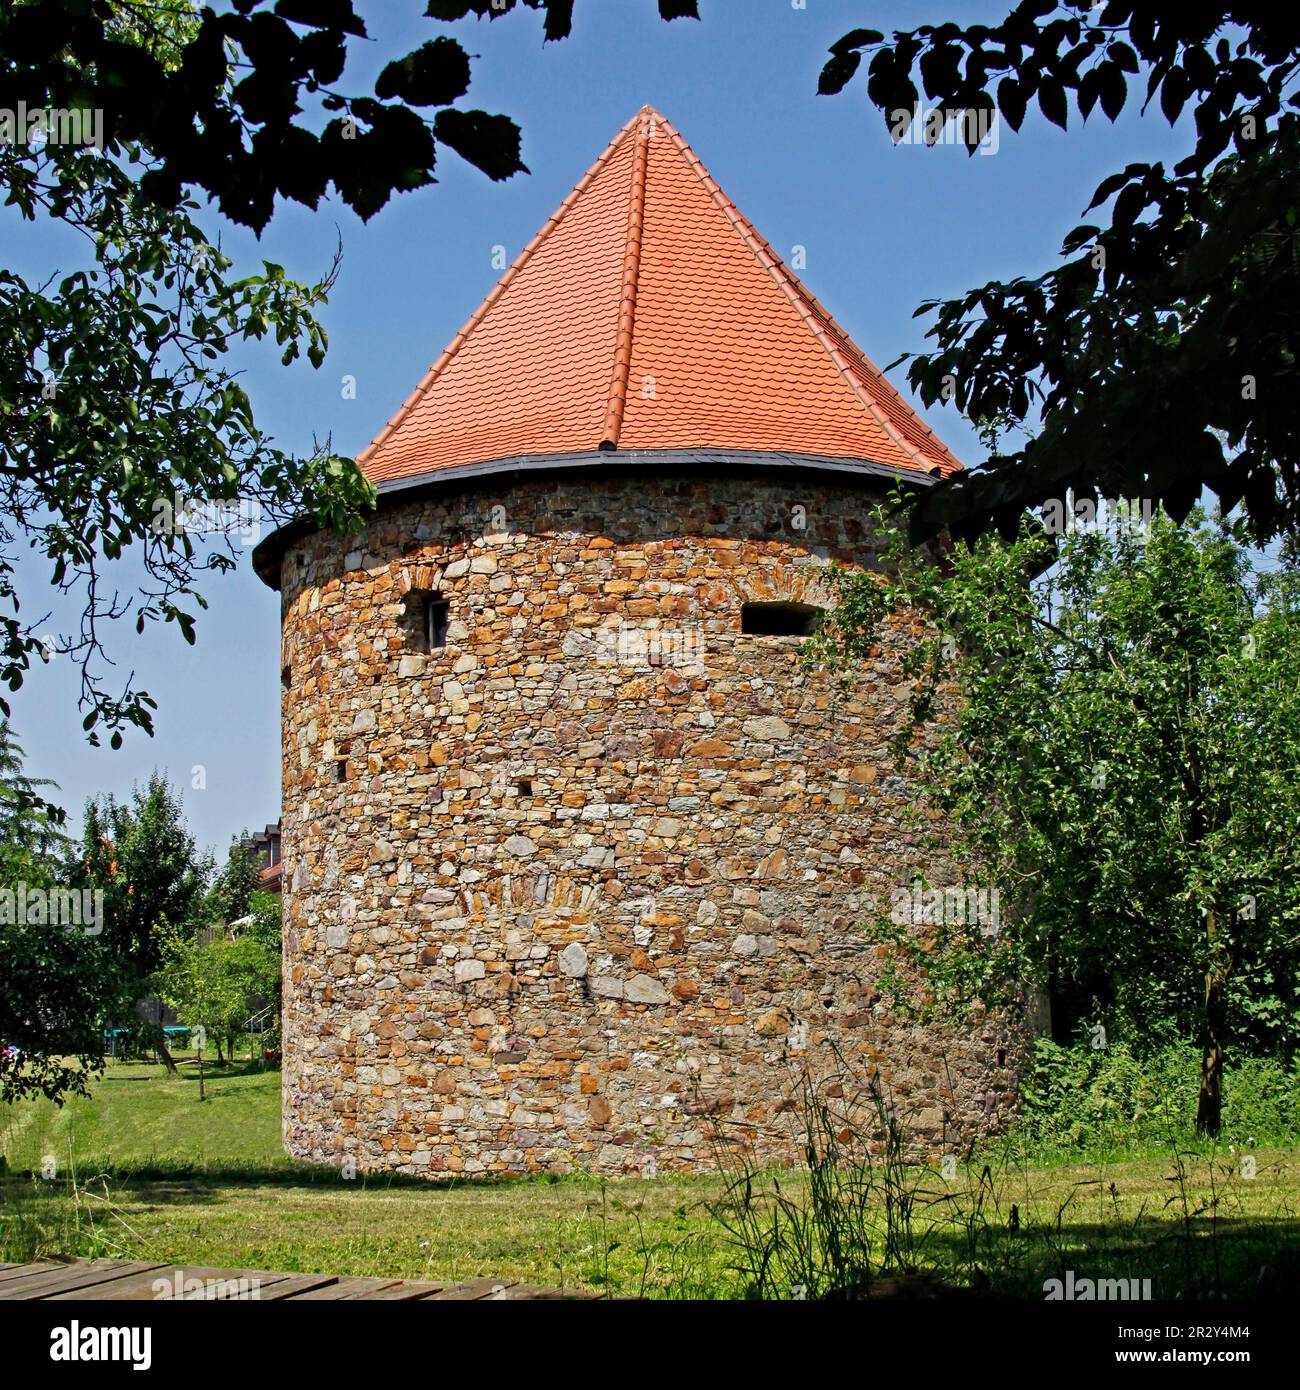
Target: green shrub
x=1081 y=1098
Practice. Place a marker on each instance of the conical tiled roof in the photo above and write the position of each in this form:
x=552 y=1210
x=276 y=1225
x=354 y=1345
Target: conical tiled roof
x=648 y=314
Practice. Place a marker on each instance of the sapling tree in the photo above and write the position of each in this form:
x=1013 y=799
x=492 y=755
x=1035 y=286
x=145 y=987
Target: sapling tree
x=1120 y=753
x=210 y=981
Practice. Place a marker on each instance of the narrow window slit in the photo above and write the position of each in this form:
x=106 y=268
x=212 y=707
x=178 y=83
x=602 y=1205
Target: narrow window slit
x=425 y=617
x=779 y=619
x=435 y=622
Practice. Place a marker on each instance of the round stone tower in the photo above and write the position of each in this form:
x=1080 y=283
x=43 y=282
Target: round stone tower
x=580 y=861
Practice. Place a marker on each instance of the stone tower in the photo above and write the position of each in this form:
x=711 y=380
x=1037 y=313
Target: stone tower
x=580 y=861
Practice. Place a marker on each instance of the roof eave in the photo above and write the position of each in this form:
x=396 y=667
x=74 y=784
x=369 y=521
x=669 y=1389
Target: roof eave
x=270 y=551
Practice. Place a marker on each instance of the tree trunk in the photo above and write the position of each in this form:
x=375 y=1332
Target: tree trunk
x=1209 y=1104
x=162 y=1043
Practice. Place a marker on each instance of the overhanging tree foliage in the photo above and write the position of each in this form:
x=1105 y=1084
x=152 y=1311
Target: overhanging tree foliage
x=125 y=435
x=1123 y=762
x=1161 y=357
x=59 y=987
x=130 y=458
x=227 y=116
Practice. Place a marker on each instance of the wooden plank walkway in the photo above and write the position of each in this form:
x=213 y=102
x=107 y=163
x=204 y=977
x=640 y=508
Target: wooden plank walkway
x=135 y=1280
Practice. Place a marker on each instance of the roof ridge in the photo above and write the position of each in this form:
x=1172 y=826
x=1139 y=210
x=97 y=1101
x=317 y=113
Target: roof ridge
x=496 y=292
x=617 y=400
x=848 y=341
x=853 y=350
x=794 y=290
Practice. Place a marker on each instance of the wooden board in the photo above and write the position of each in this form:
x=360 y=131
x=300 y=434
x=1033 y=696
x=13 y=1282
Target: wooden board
x=475 y=1289
x=346 y=1288
x=134 y=1288
x=22 y=1271
x=538 y=1291
x=299 y=1286
x=400 y=1290
x=72 y=1278
x=140 y=1288
x=104 y=1280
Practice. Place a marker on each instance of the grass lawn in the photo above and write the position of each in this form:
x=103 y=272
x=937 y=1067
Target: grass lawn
x=138 y=1115
x=142 y=1169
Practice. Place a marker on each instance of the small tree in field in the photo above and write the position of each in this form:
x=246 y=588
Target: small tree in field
x=141 y=854
x=1123 y=760
x=192 y=981
x=253 y=969
x=58 y=984
x=210 y=983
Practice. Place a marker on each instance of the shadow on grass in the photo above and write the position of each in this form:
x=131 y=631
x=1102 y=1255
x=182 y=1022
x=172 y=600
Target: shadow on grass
x=1199 y=1258
x=292 y=1173
x=1202 y=1256
x=186 y=1070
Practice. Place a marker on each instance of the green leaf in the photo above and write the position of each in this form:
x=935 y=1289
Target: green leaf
x=1011 y=102
x=837 y=72
x=856 y=38
x=1122 y=55
x=1114 y=90
x=559 y=20
x=1052 y=101
x=435 y=74
x=322 y=14
x=490 y=143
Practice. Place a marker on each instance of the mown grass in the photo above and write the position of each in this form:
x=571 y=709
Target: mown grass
x=137 y=1115
x=143 y=1170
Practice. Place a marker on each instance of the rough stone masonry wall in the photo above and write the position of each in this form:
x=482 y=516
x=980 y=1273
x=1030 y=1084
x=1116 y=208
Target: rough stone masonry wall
x=552 y=905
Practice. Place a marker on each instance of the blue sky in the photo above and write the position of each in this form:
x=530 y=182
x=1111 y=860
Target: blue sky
x=884 y=228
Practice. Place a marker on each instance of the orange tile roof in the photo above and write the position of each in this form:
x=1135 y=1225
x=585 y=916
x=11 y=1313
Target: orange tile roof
x=649 y=314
